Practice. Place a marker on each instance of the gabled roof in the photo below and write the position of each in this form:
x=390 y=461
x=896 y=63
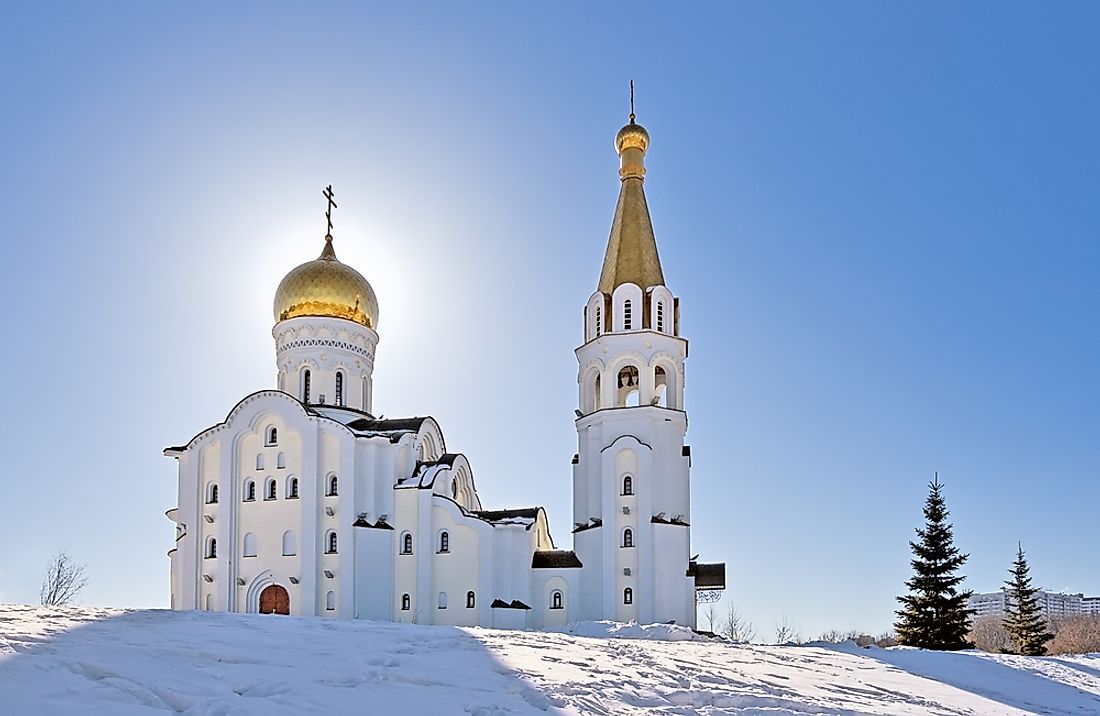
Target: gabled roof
x=387 y=425
x=379 y=525
x=514 y=604
x=591 y=524
x=555 y=559
x=520 y=516
x=708 y=576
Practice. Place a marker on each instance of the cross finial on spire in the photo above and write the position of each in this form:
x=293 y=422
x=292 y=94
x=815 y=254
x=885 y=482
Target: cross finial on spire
x=632 y=101
x=327 y=193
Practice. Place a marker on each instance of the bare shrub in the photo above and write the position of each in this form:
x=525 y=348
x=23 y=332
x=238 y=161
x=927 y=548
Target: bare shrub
x=735 y=627
x=785 y=633
x=989 y=634
x=838 y=636
x=711 y=619
x=63 y=581
x=1075 y=635
x=886 y=639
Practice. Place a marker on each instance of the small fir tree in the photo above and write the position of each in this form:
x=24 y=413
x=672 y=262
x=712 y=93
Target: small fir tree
x=1024 y=620
x=934 y=614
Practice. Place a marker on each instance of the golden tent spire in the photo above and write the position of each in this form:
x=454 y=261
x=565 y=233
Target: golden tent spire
x=632 y=248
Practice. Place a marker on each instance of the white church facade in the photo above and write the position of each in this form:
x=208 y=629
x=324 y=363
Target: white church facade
x=302 y=502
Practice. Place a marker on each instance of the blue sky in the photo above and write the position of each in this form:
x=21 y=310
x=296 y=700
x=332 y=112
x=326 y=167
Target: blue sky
x=880 y=218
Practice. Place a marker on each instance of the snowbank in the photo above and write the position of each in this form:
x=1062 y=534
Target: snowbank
x=630 y=630
x=103 y=662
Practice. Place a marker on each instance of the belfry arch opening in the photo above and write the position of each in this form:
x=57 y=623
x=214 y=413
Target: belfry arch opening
x=660 y=387
x=628 y=387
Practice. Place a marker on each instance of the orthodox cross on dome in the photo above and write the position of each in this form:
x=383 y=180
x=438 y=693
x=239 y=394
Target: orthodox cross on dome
x=632 y=101
x=327 y=193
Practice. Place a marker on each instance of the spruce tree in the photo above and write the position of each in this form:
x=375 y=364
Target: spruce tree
x=1023 y=619
x=934 y=614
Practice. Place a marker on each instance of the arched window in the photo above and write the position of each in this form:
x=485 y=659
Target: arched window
x=249 y=545
x=628 y=596
x=330 y=543
x=599 y=321
x=306 y=380
x=661 y=316
x=212 y=494
x=366 y=395
x=211 y=548
x=272 y=436
x=330 y=601
x=272 y=492
x=290 y=548
x=470 y=600
x=407 y=543
x=339 y=388
x=556 y=599
x=406 y=602
x=628 y=317
x=249 y=491
x=442 y=600
x=444 y=541
x=628 y=485
x=280 y=460
x=332 y=485
x=260 y=461
x=628 y=537
x=292 y=489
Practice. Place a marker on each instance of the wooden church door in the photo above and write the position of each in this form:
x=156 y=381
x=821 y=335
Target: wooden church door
x=274 y=600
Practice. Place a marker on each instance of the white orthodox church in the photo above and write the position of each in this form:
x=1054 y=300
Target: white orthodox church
x=302 y=502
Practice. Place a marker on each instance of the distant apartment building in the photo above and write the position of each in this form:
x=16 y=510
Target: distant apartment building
x=1052 y=604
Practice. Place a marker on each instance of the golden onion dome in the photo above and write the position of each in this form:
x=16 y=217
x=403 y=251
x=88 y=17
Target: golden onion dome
x=327 y=288
x=631 y=136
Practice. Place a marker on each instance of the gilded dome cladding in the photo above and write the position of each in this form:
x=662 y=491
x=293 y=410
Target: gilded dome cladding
x=327 y=288
x=632 y=136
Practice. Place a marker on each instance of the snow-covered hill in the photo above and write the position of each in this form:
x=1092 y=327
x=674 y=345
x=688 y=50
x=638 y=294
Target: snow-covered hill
x=101 y=661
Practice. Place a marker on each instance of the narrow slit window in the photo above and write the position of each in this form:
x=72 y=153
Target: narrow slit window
x=305 y=385
x=339 y=388
x=627 y=315
x=661 y=316
x=628 y=596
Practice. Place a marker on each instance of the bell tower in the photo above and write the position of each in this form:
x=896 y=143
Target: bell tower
x=631 y=496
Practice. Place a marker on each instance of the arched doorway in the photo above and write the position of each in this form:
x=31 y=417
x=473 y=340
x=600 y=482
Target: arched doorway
x=274 y=600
